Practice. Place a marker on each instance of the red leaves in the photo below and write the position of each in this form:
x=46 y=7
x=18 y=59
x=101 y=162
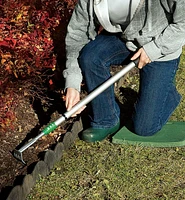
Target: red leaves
x=8 y=42
x=25 y=33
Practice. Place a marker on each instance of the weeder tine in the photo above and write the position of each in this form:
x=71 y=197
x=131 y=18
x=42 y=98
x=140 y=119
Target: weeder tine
x=18 y=155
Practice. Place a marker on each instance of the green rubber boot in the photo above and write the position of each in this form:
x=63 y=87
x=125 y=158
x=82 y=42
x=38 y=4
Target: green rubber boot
x=96 y=134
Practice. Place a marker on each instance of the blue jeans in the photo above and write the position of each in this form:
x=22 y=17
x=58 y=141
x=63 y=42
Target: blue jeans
x=157 y=96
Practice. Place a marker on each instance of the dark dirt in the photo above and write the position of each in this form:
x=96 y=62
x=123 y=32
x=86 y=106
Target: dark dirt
x=27 y=126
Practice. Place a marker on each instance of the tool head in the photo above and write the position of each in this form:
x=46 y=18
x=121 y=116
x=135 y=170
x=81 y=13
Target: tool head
x=18 y=155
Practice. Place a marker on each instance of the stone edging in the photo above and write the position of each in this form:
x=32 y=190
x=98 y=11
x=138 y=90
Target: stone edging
x=43 y=167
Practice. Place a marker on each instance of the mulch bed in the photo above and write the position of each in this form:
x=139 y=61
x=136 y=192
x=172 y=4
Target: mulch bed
x=27 y=126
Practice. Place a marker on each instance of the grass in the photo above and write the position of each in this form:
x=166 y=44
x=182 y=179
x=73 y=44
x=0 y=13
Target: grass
x=179 y=114
x=105 y=171
x=108 y=171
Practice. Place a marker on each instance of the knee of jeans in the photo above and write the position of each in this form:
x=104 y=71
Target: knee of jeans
x=89 y=60
x=145 y=129
x=85 y=59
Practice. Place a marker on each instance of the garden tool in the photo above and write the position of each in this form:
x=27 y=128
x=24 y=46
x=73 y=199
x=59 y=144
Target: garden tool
x=18 y=154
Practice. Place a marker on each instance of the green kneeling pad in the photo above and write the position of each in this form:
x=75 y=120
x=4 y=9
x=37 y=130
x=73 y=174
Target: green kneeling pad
x=171 y=135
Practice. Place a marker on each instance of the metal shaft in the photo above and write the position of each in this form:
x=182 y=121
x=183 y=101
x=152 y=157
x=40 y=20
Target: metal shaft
x=97 y=91
x=23 y=148
x=80 y=104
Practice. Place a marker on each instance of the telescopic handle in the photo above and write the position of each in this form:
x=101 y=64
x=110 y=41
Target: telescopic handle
x=97 y=91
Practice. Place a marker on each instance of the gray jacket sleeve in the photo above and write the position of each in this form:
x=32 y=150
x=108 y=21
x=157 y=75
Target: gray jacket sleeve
x=76 y=38
x=173 y=37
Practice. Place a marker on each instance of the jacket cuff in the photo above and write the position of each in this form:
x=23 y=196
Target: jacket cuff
x=71 y=82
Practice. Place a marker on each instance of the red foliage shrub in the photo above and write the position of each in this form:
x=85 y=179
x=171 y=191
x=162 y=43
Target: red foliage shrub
x=25 y=38
x=26 y=44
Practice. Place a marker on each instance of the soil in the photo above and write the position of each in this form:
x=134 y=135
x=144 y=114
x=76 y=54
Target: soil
x=27 y=126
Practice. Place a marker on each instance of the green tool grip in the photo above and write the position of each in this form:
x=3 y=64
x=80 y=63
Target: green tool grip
x=49 y=128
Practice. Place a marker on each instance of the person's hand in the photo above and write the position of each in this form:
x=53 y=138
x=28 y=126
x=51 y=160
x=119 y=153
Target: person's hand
x=143 y=58
x=100 y=29
x=72 y=98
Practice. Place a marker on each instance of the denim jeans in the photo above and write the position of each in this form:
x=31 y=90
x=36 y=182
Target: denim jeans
x=157 y=96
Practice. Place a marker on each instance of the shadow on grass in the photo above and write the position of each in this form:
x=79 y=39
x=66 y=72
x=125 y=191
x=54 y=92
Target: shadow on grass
x=127 y=99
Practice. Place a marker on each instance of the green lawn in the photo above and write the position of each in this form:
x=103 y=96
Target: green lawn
x=105 y=171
